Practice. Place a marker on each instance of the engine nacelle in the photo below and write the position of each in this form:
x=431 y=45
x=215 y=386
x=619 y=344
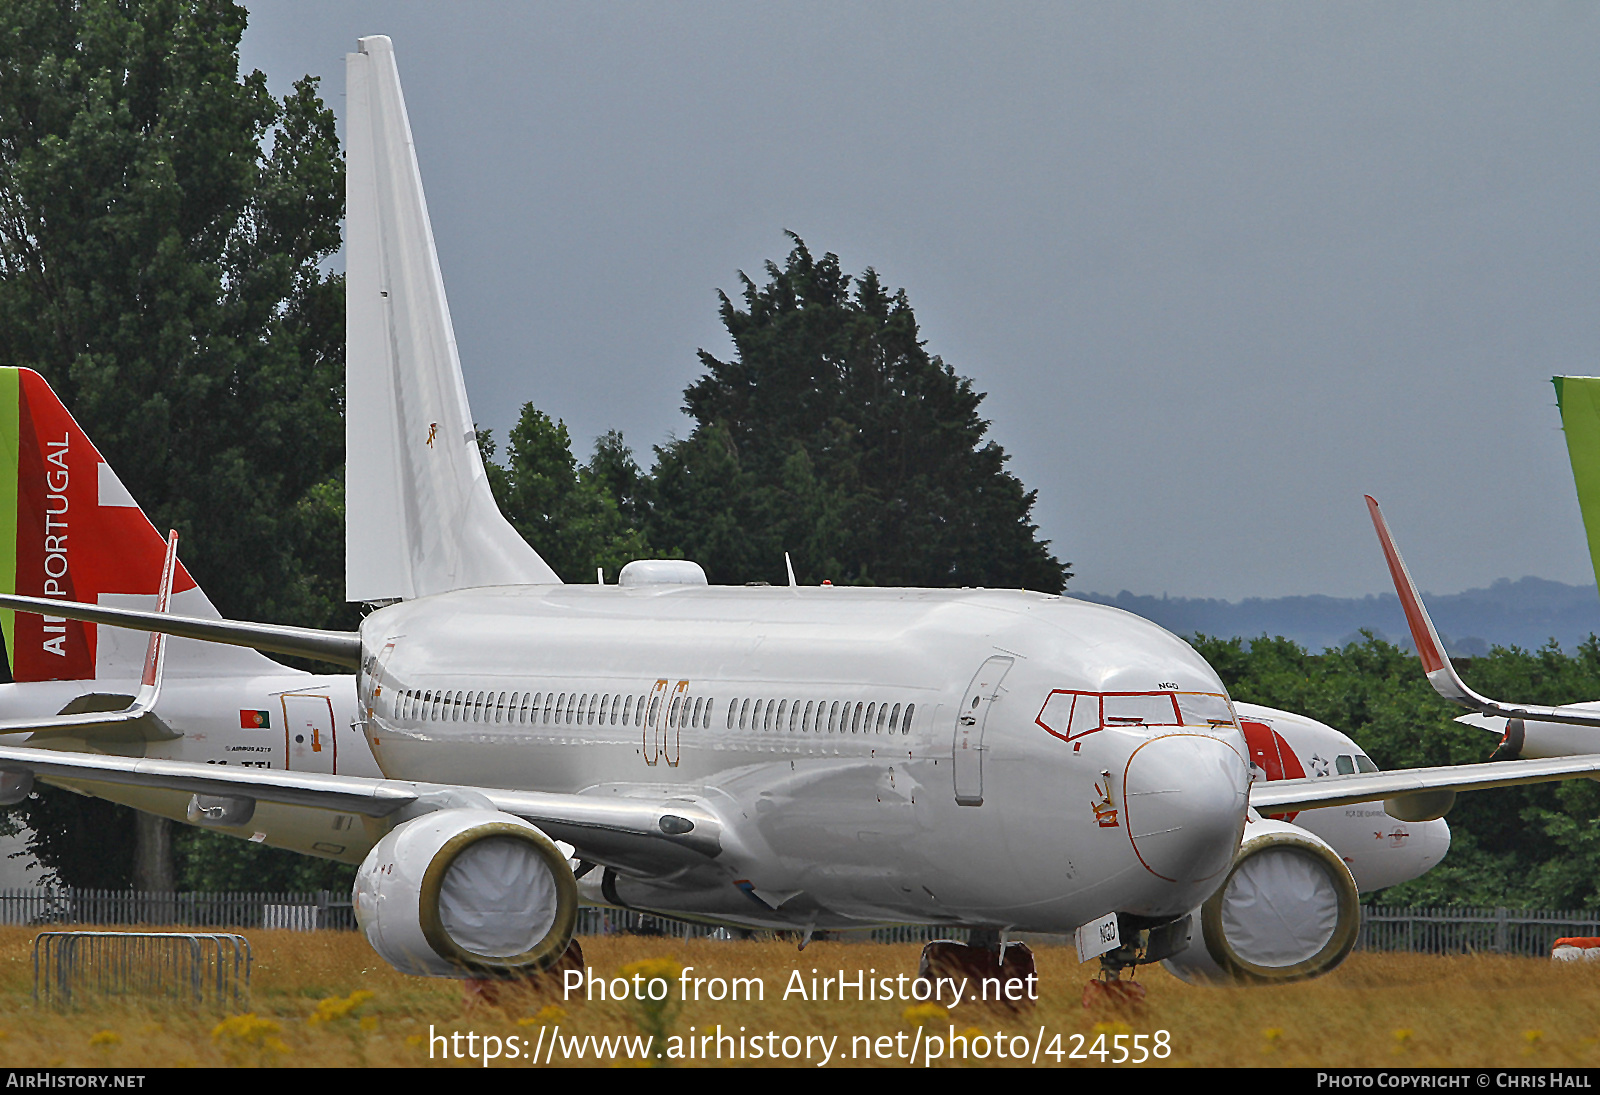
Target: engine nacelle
x=1287 y=910
x=467 y=893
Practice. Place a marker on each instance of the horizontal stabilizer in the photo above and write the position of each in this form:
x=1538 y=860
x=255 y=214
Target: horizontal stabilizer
x=419 y=517
x=339 y=647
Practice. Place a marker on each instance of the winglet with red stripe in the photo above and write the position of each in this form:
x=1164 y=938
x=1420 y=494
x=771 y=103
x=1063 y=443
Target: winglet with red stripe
x=156 y=655
x=1441 y=674
x=141 y=711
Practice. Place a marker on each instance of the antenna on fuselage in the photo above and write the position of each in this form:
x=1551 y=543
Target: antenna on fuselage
x=787 y=565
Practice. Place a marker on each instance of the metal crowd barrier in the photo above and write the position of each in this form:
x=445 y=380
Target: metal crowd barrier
x=199 y=967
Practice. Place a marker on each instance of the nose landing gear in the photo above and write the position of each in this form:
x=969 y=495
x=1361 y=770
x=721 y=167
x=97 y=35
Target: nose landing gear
x=1145 y=941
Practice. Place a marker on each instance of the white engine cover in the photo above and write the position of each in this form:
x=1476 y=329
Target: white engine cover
x=1287 y=910
x=467 y=893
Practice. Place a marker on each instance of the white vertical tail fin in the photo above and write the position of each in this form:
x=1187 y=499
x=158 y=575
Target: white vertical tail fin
x=419 y=516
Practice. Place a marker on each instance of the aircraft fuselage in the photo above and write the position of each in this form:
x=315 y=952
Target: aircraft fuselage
x=874 y=754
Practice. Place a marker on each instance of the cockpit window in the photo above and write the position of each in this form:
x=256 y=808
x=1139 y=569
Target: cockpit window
x=1364 y=763
x=1071 y=714
x=1204 y=709
x=1148 y=710
x=1344 y=765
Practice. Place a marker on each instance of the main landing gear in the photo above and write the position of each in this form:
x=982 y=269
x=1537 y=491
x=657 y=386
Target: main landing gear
x=1144 y=941
x=490 y=991
x=1001 y=974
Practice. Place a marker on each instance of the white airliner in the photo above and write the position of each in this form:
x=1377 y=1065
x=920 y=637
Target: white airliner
x=803 y=757
x=79 y=535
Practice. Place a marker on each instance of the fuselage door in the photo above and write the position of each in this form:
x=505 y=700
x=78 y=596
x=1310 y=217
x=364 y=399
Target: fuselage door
x=655 y=718
x=308 y=731
x=971 y=718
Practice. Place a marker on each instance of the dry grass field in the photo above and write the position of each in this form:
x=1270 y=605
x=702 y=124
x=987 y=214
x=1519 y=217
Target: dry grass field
x=309 y=1007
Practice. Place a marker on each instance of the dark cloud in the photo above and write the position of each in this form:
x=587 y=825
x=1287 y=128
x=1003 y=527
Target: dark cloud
x=1221 y=268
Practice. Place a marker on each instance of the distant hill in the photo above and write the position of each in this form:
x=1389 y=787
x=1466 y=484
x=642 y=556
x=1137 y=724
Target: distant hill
x=1527 y=613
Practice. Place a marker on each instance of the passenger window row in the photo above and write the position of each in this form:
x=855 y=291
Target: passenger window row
x=550 y=708
x=602 y=709
x=820 y=717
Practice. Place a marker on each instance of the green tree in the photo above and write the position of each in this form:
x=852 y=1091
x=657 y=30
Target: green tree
x=832 y=434
x=213 y=862
x=163 y=222
x=576 y=517
x=163 y=225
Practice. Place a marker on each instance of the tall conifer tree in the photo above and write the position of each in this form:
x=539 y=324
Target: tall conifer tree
x=831 y=433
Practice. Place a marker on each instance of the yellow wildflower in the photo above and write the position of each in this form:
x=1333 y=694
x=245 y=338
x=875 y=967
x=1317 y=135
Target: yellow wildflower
x=335 y=1007
x=245 y=1029
x=1113 y=1028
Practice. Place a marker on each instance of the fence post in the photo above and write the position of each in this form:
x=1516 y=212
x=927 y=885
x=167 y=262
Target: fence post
x=1500 y=929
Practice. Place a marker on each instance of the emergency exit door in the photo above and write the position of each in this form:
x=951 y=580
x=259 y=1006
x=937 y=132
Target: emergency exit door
x=308 y=731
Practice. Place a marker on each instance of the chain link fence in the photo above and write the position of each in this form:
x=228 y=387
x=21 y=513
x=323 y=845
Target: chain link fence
x=1383 y=928
x=1464 y=930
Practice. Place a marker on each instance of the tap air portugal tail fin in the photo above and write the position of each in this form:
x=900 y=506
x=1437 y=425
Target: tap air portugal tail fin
x=419 y=516
x=1578 y=398
x=69 y=530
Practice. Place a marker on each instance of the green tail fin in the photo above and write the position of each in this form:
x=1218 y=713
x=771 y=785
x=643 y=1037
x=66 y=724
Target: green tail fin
x=1579 y=400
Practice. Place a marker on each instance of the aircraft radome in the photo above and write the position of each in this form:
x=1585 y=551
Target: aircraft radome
x=803 y=758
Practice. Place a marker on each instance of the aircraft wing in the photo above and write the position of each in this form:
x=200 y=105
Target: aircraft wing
x=642 y=833
x=339 y=647
x=1285 y=795
x=1441 y=674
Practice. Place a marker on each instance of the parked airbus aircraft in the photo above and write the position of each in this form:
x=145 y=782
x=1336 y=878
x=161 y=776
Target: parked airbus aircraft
x=77 y=534
x=1380 y=850
x=802 y=757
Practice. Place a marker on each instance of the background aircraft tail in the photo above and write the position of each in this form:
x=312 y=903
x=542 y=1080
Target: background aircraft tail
x=70 y=530
x=1579 y=400
x=419 y=515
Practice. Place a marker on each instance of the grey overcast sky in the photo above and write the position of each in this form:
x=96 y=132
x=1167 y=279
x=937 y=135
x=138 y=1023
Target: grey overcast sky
x=1220 y=267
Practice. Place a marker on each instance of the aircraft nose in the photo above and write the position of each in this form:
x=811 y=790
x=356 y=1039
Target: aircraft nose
x=1184 y=800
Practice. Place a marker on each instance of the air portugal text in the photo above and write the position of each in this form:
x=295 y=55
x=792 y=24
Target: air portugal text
x=56 y=477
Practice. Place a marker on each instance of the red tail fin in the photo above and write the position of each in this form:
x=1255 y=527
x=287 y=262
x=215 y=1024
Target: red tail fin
x=72 y=530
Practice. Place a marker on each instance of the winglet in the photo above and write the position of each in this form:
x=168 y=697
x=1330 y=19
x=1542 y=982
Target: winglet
x=156 y=655
x=93 y=723
x=1441 y=674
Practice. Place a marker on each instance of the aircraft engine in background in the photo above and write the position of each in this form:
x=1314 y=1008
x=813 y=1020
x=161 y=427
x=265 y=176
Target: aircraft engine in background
x=1287 y=910
x=467 y=893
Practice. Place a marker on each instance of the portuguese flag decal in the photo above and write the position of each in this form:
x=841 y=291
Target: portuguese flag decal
x=254 y=720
